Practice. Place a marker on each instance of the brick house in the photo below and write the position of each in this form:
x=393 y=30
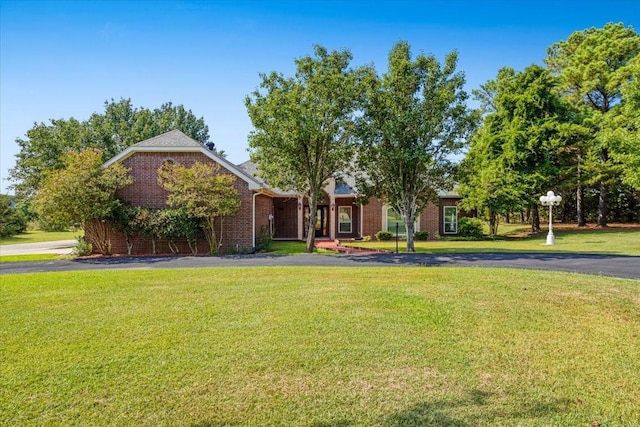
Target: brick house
x=262 y=207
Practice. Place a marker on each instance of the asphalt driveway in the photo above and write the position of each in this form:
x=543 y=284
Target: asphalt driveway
x=606 y=265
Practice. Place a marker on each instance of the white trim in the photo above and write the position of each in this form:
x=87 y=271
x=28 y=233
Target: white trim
x=444 y=220
x=253 y=185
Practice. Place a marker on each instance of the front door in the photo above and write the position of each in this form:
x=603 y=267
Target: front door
x=322 y=221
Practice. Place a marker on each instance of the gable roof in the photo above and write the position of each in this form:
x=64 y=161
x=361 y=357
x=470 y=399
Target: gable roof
x=251 y=169
x=176 y=141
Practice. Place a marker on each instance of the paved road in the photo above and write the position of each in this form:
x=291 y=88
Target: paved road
x=607 y=265
x=60 y=247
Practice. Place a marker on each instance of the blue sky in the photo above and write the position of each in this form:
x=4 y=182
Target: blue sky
x=62 y=59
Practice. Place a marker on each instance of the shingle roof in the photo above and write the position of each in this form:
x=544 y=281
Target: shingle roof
x=174 y=138
x=251 y=169
x=344 y=189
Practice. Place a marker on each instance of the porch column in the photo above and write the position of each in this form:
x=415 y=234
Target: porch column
x=300 y=218
x=332 y=216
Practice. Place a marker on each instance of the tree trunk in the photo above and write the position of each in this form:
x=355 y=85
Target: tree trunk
x=311 y=226
x=535 y=219
x=493 y=223
x=129 y=241
x=603 y=205
x=580 y=200
x=408 y=225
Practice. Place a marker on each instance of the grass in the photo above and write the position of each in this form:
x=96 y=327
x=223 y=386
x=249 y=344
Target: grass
x=619 y=241
x=280 y=247
x=32 y=257
x=40 y=236
x=319 y=347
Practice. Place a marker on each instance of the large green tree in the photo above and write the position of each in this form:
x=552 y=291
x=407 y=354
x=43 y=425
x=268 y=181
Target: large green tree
x=118 y=127
x=593 y=66
x=84 y=193
x=415 y=118
x=519 y=151
x=304 y=125
x=622 y=130
x=204 y=192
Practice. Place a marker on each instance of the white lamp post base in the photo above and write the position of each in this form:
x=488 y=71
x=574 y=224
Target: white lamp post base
x=551 y=239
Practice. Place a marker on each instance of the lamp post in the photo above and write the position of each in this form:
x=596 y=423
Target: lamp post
x=550 y=200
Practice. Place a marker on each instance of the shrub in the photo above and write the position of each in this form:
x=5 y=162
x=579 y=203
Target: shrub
x=12 y=221
x=384 y=235
x=82 y=248
x=264 y=240
x=471 y=228
x=421 y=235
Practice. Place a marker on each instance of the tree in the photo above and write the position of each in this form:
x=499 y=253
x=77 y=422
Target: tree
x=487 y=184
x=304 y=125
x=11 y=219
x=593 y=65
x=415 y=117
x=519 y=150
x=84 y=193
x=622 y=132
x=118 y=127
x=204 y=192
x=43 y=150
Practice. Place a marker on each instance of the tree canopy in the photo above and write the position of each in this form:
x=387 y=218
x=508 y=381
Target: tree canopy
x=593 y=66
x=415 y=117
x=304 y=125
x=118 y=127
x=518 y=152
x=83 y=193
x=204 y=193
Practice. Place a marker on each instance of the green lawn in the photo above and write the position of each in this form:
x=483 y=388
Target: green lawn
x=319 y=347
x=41 y=236
x=32 y=257
x=619 y=241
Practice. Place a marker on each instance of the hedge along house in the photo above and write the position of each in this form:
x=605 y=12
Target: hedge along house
x=263 y=209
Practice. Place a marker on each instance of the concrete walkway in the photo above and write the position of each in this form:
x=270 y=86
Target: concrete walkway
x=59 y=247
x=605 y=265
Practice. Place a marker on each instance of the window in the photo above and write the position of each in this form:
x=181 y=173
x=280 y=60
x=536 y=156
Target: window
x=394 y=219
x=450 y=219
x=390 y=218
x=344 y=219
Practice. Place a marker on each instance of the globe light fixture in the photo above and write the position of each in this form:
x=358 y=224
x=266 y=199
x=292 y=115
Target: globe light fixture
x=550 y=200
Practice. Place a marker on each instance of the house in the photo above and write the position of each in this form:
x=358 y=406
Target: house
x=265 y=209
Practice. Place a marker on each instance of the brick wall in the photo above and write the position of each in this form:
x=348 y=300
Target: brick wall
x=430 y=218
x=372 y=218
x=235 y=232
x=285 y=218
x=264 y=208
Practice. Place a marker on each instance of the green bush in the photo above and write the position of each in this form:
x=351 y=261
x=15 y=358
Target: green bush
x=82 y=248
x=384 y=235
x=264 y=240
x=421 y=235
x=470 y=228
x=12 y=221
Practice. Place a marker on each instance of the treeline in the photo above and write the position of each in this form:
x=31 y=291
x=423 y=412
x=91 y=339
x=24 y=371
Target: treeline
x=572 y=127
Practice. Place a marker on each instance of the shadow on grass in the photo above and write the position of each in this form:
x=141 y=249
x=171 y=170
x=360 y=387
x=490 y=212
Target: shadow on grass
x=443 y=412
x=476 y=405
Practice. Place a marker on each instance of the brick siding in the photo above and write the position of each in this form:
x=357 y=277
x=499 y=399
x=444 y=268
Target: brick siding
x=235 y=234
